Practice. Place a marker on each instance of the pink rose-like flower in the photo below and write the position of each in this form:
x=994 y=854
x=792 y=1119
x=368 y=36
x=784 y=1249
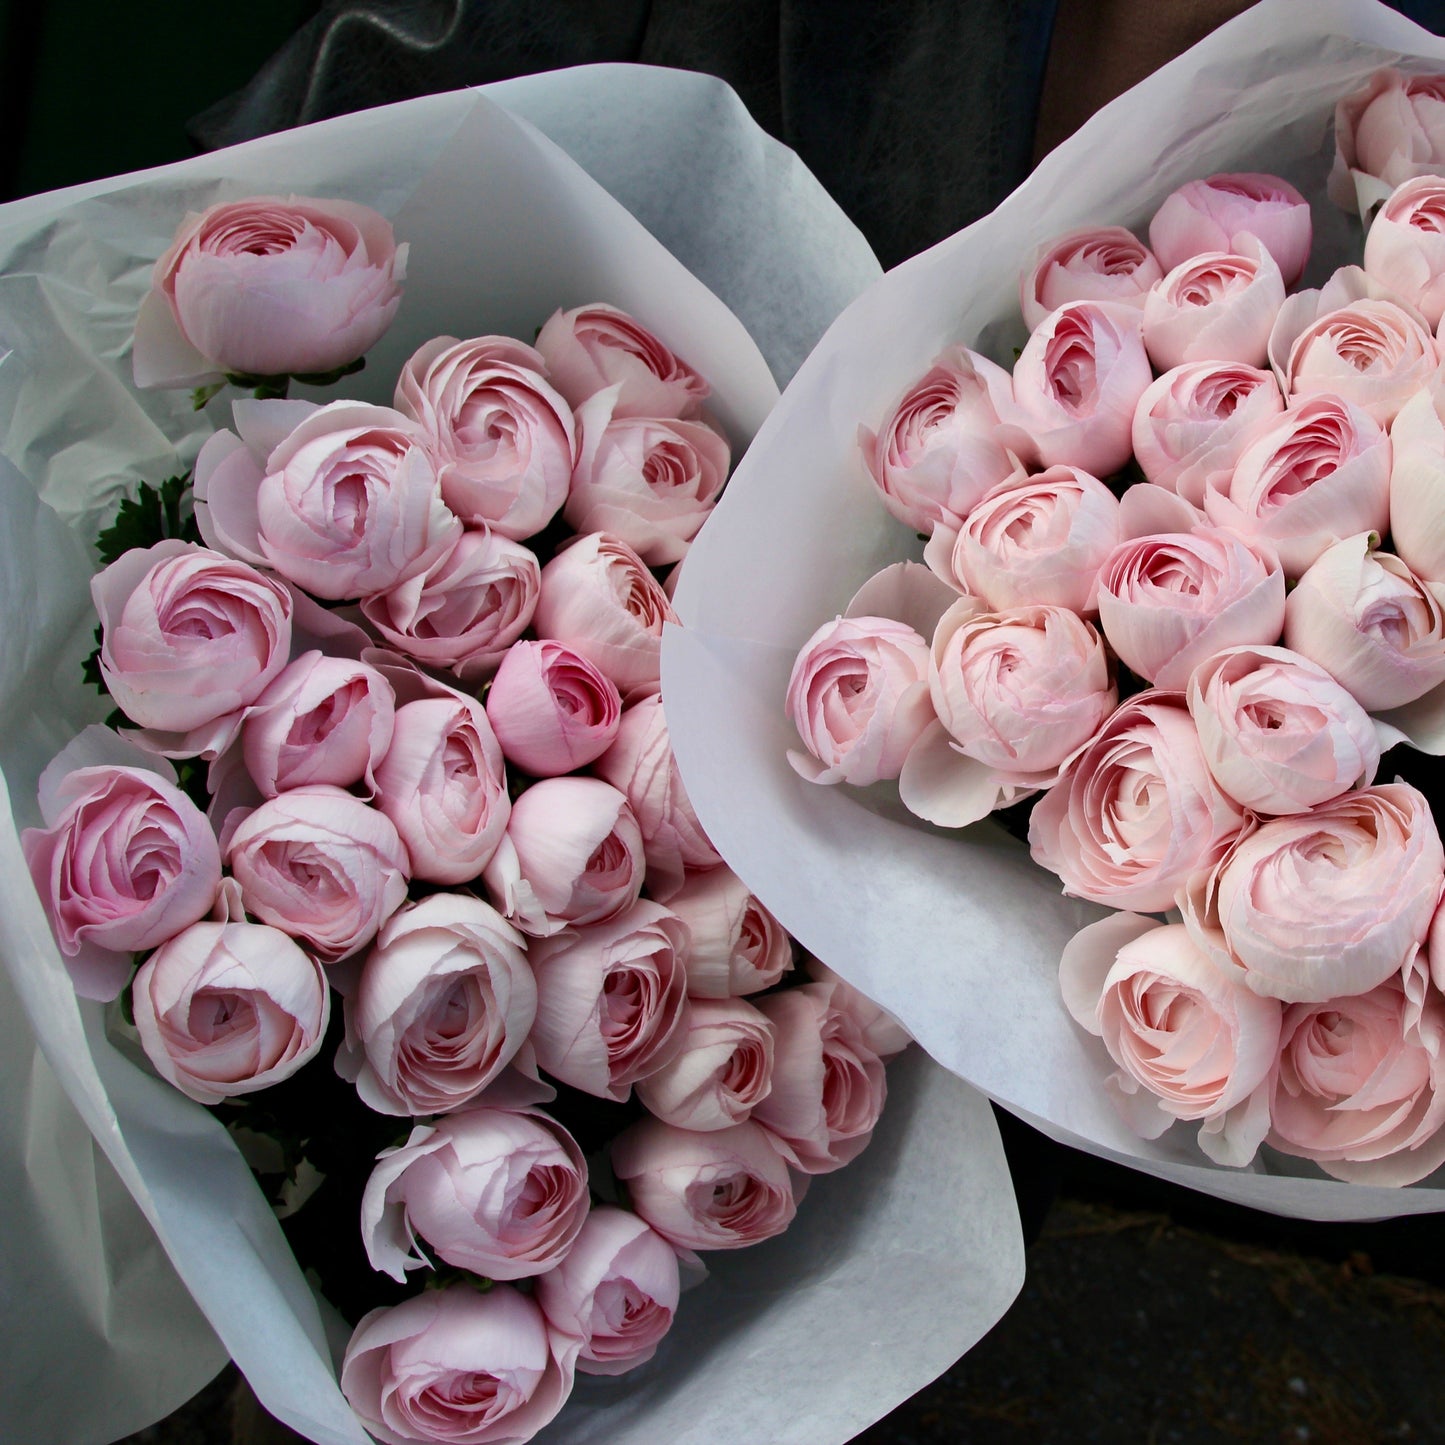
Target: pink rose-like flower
x=1327 y=903
x=1189 y=1035
x=552 y=711
x=506 y=438
x=858 y=696
x=443 y=784
x=594 y=347
x=501 y=1193
x=1320 y=472
x=1094 y=263
x=649 y=481
x=268 y=287
x=466 y=609
x=189 y=638
x=1216 y=213
x=1390 y=130
x=1371 y=623
x=1417 y=500
x=320 y=864
x=228 y=1008
x=616 y=1291
x=1405 y=245
x=611 y=1000
x=572 y=855
x=1075 y=387
x=444 y=1002
x=457 y=1367
x=722 y=1070
x=881 y=1031
x=125 y=862
x=1279 y=733
x=735 y=946
x=1137 y=813
x=1219 y=306
x=724 y=1189
x=936 y=453
x=1194 y=421
x=599 y=599
x=1168 y=602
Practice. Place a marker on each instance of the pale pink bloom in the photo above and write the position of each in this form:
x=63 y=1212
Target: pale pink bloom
x=1405 y=245
x=1417 y=499
x=722 y=1070
x=1093 y=263
x=501 y=1193
x=506 y=439
x=1279 y=733
x=735 y=946
x=593 y=347
x=457 y=1367
x=1168 y=602
x=1218 y=306
x=724 y=1189
x=228 y=1008
x=466 y=609
x=1390 y=130
x=616 y=1291
x=1190 y=1041
x=611 y=1000
x=1371 y=623
x=443 y=1004
x=936 y=452
x=1137 y=813
x=1215 y=214
x=1194 y=421
x=552 y=711
x=881 y=1031
x=268 y=287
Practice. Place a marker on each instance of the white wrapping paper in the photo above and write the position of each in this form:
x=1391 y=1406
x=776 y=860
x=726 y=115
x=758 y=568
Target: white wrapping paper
x=792 y=1340
x=960 y=934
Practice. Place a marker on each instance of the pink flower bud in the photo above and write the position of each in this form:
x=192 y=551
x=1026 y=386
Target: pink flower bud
x=552 y=711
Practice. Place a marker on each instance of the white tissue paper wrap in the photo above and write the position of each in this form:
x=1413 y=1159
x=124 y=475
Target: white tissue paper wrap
x=959 y=935
x=897 y=1265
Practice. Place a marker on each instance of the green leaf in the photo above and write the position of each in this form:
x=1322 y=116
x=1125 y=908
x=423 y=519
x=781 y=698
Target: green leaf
x=151 y=516
x=202 y=394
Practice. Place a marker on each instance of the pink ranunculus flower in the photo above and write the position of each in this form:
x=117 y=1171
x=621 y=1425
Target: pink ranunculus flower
x=500 y=1193
x=881 y=1031
x=1093 y=263
x=724 y=1189
x=1417 y=500
x=1194 y=421
x=1075 y=387
x=1324 y=904
x=1390 y=130
x=228 y=1008
x=1168 y=602
x=552 y=711
x=858 y=696
x=1405 y=245
x=322 y=720
x=594 y=347
x=1370 y=622
x=1279 y=733
x=936 y=453
x=466 y=609
x=722 y=1070
x=268 y=287
x=735 y=946
x=828 y=1085
x=640 y=765
x=320 y=864
x=444 y=1002
x=457 y=1366
x=125 y=861
x=616 y=1291
x=1360 y=1086
x=649 y=481
x=572 y=855
x=1216 y=213
x=1218 y=306
x=1036 y=540
x=1137 y=813
x=189 y=639
x=611 y=999
x=1319 y=472
x=599 y=599
x=1190 y=1041
x=443 y=784
x=506 y=439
